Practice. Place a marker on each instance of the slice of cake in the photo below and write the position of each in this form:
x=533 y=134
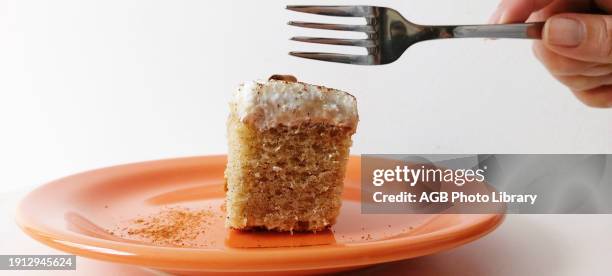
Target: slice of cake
x=288 y=147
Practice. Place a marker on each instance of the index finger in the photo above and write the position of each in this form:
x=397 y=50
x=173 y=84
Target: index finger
x=513 y=11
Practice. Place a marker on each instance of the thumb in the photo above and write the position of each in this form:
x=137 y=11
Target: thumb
x=585 y=37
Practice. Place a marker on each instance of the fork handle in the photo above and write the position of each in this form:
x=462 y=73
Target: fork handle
x=522 y=30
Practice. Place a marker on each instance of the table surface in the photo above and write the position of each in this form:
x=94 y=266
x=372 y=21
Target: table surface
x=522 y=245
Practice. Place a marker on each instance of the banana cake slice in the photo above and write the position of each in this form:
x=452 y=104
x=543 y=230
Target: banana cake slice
x=288 y=148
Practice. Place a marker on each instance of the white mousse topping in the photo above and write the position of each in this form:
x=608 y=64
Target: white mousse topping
x=277 y=102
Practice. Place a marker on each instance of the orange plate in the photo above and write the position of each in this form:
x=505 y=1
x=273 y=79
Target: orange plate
x=73 y=213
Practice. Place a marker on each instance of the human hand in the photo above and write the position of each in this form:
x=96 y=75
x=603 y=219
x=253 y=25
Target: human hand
x=576 y=46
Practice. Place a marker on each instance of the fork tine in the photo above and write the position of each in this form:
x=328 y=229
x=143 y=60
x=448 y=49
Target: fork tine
x=349 y=11
x=337 y=41
x=337 y=27
x=340 y=58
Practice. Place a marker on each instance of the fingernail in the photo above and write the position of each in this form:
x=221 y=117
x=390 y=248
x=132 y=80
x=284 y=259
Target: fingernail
x=564 y=31
x=503 y=18
x=495 y=17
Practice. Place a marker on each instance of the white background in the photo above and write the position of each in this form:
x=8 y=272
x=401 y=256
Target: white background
x=87 y=84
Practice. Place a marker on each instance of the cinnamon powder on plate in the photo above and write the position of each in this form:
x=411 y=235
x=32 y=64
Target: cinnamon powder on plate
x=171 y=226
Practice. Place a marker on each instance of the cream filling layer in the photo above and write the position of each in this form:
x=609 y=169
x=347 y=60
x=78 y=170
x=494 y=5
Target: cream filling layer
x=274 y=102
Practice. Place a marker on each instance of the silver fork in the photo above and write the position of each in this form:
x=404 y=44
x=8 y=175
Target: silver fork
x=389 y=34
